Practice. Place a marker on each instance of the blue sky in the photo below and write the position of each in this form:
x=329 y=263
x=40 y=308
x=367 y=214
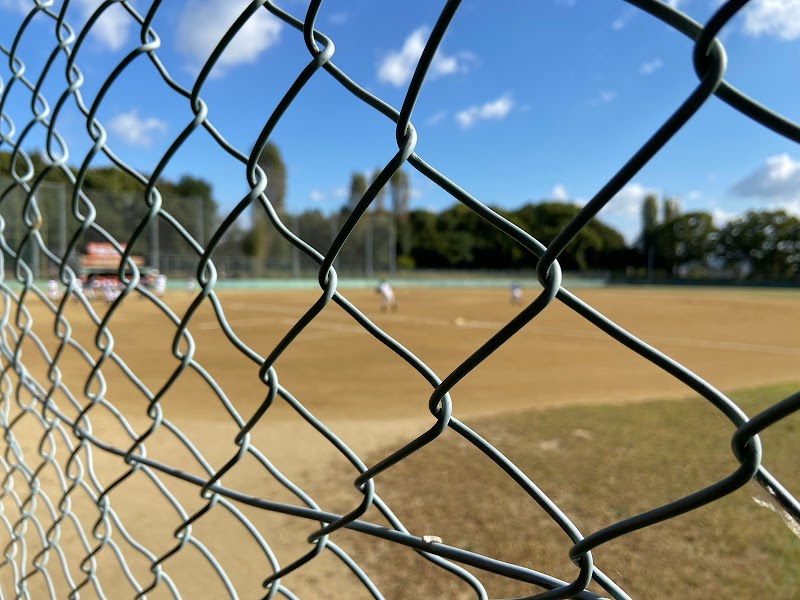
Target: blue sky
x=527 y=100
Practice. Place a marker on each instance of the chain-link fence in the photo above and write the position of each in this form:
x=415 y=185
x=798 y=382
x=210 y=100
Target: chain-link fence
x=63 y=472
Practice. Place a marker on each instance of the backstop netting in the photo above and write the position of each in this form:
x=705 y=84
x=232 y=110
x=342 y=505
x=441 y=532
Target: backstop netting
x=105 y=493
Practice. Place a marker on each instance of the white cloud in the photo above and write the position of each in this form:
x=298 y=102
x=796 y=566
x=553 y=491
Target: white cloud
x=607 y=96
x=23 y=6
x=694 y=195
x=779 y=18
x=398 y=67
x=113 y=27
x=722 y=217
x=792 y=207
x=340 y=192
x=202 y=23
x=559 y=192
x=338 y=18
x=777 y=179
x=316 y=195
x=619 y=23
x=494 y=109
x=135 y=130
x=651 y=66
x=436 y=118
x=624 y=211
x=628 y=202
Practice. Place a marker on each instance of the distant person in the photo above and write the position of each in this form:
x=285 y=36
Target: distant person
x=160 y=285
x=387 y=296
x=190 y=282
x=94 y=286
x=52 y=290
x=109 y=291
x=516 y=293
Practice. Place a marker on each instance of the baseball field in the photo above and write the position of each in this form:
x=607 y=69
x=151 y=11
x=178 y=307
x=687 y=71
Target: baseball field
x=602 y=431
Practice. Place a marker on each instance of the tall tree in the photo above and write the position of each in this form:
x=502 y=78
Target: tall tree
x=274 y=167
x=358 y=186
x=649 y=218
x=649 y=225
x=685 y=238
x=671 y=209
x=263 y=235
x=380 y=198
x=191 y=201
x=401 y=192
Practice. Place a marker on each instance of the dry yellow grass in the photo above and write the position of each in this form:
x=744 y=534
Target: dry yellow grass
x=600 y=464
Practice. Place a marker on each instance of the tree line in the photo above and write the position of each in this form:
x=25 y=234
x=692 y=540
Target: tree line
x=757 y=244
x=455 y=238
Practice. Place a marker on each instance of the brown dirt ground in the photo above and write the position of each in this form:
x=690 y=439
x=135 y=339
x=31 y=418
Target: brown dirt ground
x=368 y=396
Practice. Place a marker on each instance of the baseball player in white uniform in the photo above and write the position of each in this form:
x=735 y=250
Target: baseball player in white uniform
x=387 y=296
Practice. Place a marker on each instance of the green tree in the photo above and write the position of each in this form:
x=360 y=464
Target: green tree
x=191 y=201
x=427 y=247
x=588 y=249
x=263 y=235
x=458 y=237
x=358 y=187
x=671 y=209
x=401 y=192
x=685 y=238
x=379 y=204
x=649 y=225
x=272 y=163
x=233 y=242
x=111 y=179
x=315 y=229
x=649 y=219
x=485 y=246
x=768 y=241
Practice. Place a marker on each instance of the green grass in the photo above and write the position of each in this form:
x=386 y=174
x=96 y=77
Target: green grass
x=600 y=464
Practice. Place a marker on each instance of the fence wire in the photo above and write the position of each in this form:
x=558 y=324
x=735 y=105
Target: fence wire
x=47 y=426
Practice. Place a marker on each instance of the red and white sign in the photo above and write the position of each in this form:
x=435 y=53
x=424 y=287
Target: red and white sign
x=103 y=255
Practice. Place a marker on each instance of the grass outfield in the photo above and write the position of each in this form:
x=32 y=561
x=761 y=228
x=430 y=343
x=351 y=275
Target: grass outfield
x=600 y=464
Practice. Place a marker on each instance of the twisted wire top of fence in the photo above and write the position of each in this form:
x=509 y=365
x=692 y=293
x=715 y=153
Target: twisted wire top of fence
x=67 y=446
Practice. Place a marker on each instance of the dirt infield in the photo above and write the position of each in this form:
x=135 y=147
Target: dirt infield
x=372 y=399
x=732 y=339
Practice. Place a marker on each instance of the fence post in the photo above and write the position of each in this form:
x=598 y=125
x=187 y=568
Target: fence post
x=34 y=257
x=370 y=247
x=334 y=230
x=62 y=220
x=200 y=221
x=392 y=247
x=154 y=248
x=295 y=249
